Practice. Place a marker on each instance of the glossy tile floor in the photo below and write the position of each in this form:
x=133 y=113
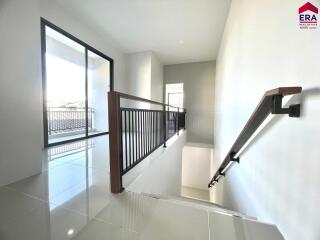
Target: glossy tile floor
x=71 y=199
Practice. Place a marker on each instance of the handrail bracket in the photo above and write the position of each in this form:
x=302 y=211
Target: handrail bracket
x=233 y=159
x=276 y=107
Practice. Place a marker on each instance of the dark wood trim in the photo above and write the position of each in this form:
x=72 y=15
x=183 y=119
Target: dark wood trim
x=261 y=112
x=131 y=97
x=115 y=142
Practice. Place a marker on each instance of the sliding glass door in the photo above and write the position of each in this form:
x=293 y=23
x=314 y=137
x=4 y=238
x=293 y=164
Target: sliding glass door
x=98 y=86
x=76 y=80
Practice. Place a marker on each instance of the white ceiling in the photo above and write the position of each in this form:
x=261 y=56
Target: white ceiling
x=176 y=30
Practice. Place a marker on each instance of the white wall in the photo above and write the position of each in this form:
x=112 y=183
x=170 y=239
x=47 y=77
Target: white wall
x=196 y=161
x=278 y=176
x=20 y=90
x=160 y=173
x=21 y=129
x=196 y=164
x=198 y=79
x=139 y=74
x=145 y=75
x=156 y=79
x=98 y=80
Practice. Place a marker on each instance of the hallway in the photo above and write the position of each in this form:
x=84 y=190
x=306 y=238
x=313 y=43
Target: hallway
x=71 y=199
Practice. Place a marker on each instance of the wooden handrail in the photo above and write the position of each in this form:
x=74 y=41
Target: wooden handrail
x=271 y=102
x=131 y=97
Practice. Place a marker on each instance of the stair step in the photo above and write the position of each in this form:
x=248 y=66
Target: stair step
x=209 y=206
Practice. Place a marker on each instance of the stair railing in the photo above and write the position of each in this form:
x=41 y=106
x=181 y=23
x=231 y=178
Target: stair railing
x=134 y=133
x=271 y=102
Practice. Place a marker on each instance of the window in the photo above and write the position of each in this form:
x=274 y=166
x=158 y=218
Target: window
x=174 y=95
x=76 y=80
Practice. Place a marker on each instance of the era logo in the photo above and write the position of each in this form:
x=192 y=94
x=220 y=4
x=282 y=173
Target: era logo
x=308 y=16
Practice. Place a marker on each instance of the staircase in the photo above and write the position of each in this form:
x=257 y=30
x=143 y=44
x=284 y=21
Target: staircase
x=187 y=218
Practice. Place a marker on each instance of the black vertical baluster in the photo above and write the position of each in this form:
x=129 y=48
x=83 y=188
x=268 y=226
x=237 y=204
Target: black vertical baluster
x=142 y=132
x=147 y=138
x=159 y=128
x=139 y=122
x=147 y=125
x=175 y=123
x=177 y=127
x=133 y=136
x=146 y=131
x=150 y=133
x=136 y=135
x=143 y=135
x=152 y=118
x=168 y=124
x=156 y=133
x=156 y=129
x=129 y=137
x=121 y=141
x=126 y=139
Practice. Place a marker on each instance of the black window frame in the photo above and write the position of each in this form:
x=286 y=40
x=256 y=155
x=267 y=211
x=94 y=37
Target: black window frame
x=43 y=24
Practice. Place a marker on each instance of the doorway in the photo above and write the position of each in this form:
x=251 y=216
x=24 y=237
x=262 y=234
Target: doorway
x=174 y=95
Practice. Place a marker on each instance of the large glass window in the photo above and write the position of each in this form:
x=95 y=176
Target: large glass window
x=98 y=86
x=76 y=81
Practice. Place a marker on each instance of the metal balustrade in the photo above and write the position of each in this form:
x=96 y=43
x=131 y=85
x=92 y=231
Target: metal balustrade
x=135 y=133
x=65 y=119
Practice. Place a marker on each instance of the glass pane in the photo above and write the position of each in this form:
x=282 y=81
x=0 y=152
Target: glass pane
x=65 y=68
x=174 y=95
x=98 y=88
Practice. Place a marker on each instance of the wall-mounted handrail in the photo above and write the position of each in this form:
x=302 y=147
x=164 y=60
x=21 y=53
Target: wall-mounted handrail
x=135 y=133
x=271 y=102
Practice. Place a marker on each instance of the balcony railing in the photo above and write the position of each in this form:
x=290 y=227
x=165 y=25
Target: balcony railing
x=66 y=119
x=135 y=133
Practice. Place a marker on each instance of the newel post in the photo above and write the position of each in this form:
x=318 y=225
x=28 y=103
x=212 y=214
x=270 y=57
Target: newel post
x=115 y=142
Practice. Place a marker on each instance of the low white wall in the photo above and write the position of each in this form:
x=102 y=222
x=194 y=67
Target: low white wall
x=160 y=173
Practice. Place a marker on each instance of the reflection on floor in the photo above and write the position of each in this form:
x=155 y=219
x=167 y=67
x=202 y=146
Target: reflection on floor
x=71 y=199
x=70 y=136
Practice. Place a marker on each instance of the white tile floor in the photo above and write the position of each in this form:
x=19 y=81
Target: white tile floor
x=71 y=199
